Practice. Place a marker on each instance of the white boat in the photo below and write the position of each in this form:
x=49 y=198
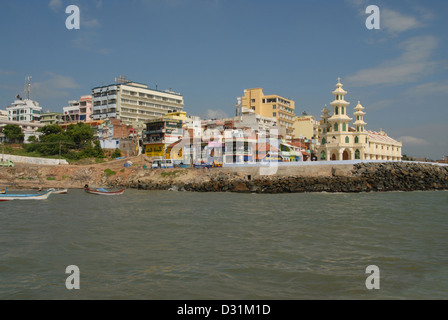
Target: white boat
x=60 y=191
x=41 y=196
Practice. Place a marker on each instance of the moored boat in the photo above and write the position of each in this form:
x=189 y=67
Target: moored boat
x=60 y=191
x=103 y=192
x=40 y=196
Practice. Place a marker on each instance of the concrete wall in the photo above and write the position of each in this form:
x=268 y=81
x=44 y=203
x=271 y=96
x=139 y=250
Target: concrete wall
x=32 y=160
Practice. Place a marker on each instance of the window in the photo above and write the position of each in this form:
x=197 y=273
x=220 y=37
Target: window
x=253 y=100
x=347 y=140
x=337 y=110
x=274 y=114
x=274 y=106
x=344 y=127
x=357 y=155
x=323 y=155
x=253 y=108
x=356 y=140
x=324 y=141
x=342 y=110
x=336 y=128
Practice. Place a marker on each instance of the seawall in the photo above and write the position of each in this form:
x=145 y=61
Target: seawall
x=360 y=177
x=363 y=177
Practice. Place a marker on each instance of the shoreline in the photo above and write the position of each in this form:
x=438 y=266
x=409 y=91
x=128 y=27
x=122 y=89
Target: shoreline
x=331 y=178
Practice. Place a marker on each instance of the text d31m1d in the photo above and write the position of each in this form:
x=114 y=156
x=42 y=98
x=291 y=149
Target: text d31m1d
x=225 y=309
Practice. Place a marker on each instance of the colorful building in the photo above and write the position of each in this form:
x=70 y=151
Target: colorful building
x=78 y=110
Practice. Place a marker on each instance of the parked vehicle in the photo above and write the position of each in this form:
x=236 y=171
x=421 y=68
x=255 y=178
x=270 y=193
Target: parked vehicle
x=162 y=164
x=6 y=163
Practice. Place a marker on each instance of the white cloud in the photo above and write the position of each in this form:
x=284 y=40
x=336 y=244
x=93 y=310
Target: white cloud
x=430 y=88
x=55 y=5
x=412 y=141
x=54 y=86
x=410 y=66
x=395 y=22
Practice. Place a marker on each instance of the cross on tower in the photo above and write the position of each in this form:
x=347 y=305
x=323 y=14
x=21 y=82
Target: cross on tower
x=339 y=79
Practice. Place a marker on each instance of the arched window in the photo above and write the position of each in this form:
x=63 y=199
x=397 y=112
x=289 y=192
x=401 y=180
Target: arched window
x=344 y=127
x=336 y=128
x=342 y=110
x=337 y=110
x=356 y=140
x=324 y=141
x=357 y=155
x=347 y=140
x=323 y=155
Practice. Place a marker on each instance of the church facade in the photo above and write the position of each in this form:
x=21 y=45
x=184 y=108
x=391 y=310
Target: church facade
x=340 y=141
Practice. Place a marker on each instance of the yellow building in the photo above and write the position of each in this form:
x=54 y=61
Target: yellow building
x=339 y=141
x=305 y=126
x=271 y=106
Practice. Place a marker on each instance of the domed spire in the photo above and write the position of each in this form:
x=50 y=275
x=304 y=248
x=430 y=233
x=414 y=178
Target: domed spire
x=359 y=123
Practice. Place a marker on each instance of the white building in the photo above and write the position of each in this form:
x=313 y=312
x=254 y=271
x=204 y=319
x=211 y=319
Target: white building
x=25 y=110
x=133 y=102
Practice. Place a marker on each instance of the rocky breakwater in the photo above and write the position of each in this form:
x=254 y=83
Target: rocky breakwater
x=364 y=177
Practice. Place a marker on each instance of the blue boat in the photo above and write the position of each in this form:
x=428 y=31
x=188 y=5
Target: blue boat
x=40 y=196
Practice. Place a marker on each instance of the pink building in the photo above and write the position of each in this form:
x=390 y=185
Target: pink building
x=79 y=111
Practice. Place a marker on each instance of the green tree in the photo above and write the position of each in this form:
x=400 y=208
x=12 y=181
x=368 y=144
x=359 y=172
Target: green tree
x=51 y=129
x=81 y=134
x=13 y=133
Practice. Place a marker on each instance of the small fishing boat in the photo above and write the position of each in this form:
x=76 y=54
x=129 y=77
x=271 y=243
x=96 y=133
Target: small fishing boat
x=103 y=192
x=60 y=191
x=40 y=196
x=3 y=191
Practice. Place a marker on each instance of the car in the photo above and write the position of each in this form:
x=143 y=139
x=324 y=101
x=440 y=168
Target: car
x=162 y=164
x=6 y=163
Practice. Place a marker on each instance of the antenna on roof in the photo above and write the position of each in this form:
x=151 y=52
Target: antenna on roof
x=28 y=86
x=122 y=80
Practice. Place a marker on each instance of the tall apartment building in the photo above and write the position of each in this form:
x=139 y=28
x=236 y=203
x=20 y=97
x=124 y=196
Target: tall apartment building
x=133 y=102
x=271 y=106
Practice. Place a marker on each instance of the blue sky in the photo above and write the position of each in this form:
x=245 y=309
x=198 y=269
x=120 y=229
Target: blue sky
x=211 y=50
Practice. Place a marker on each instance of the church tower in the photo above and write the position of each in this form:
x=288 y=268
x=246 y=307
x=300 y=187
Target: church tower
x=339 y=121
x=359 y=123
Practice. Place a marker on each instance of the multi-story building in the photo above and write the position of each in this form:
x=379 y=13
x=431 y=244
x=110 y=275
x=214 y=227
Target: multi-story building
x=280 y=108
x=133 y=102
x=159 y=134
x=339 y=141
x=78 y=110
x=25 y=110
x=305 y=126
x=49 y=117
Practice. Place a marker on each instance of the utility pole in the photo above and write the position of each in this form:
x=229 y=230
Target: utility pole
x=60 y=143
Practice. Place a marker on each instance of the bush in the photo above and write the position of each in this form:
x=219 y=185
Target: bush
x=116 y=154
